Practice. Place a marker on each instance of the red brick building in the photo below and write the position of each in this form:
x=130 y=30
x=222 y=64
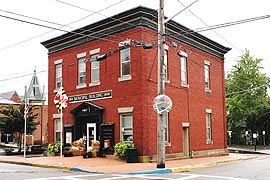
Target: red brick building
x=112 y=100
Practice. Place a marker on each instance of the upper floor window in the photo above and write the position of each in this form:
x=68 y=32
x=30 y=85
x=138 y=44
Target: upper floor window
x=81 y=71
x=58 y=75
x=94 y=69
x=166 y=64
x=184 y=74
x=125 y=68
x=125 y=61
x=207 y=75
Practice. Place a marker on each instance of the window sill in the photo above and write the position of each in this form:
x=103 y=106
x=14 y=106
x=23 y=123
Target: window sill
x=209 y=141
x=208 y=90
x=97 y=83
x=185 y=85
x=167 y=81
x=81 y=86
x=168 y=144
x=57 y=90
x=125 y=78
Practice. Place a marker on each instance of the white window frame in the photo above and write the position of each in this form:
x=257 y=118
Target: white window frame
x=125 y=77
x=95 y=67
x=207 y=76
x=184 y=74
x=166 y=63
x=57 y=130
x=208 y=122
x=126 y=131
x=81 y=72
x=166 y=124
x=58 y=75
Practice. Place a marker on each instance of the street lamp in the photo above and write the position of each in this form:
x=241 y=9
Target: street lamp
x=263 y=132
x=230 y=137
x=255 y=140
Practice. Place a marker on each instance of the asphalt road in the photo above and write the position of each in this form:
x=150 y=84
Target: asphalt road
x=254 y=169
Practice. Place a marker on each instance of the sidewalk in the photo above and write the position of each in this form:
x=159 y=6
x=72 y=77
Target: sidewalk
x=107 y=165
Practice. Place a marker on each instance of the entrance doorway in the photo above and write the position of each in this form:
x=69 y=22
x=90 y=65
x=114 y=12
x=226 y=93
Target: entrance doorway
x=91 y=134
x=185 y=141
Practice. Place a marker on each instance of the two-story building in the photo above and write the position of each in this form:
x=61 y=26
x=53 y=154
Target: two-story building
x=112 y=100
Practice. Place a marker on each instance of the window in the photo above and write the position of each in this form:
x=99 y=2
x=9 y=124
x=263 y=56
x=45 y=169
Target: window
x=184 y=71
x=125 y=68
x=57 y=130
x=81 y=71
x=94 y=69
x=166 y=64
x=58 y=76
x=127 y=127
x=207 y=75
x=125 y=61
x=166 y=124
x=208 y=126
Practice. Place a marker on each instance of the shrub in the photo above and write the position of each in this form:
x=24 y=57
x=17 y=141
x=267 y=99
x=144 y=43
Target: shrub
x=120 y=149
x=54 y=147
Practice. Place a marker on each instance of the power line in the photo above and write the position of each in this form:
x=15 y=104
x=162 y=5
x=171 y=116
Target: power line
x=225 y=24
x=33 y=37
x=200 y=19
x=24 y=75
x=54 y=28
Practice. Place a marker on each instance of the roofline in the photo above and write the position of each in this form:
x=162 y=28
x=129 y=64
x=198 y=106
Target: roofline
x=139 y=16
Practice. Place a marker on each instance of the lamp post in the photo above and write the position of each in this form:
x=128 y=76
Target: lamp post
x=230 y=137
x=255 y=140
x=263 y=133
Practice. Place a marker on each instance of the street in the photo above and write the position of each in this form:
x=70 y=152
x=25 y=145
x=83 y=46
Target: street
x=254 y=169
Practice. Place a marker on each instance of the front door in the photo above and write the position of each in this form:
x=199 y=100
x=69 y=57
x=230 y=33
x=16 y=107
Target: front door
x=91 y=134
x=185 y=142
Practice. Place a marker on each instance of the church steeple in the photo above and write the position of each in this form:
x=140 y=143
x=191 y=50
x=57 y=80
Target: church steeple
x=34 y=93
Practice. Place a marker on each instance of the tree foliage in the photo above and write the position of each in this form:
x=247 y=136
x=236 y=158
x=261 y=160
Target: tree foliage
x=246 y=95
x=12 y=121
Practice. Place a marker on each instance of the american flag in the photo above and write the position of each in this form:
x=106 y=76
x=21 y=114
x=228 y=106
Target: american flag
x=26 y=108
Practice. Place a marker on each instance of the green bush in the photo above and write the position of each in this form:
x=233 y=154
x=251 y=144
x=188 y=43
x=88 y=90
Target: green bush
x=54 y=147
x=120 y=149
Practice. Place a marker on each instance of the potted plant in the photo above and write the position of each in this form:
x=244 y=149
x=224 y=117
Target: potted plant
x=68 y=154
x=120 y=149
x=53 y=149
x=84 y=154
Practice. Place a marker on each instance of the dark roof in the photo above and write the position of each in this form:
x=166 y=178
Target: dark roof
x=139 y=16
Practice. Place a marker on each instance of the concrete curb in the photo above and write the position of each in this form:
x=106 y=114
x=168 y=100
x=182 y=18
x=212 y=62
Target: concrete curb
x=36 y=165
x=203 y=165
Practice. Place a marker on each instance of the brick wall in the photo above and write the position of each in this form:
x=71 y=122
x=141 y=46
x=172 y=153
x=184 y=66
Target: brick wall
x=189 y=104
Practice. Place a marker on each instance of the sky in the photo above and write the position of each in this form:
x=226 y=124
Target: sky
x=21 y=52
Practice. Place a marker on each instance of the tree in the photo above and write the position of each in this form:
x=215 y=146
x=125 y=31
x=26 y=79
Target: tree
x=246 y=95
x=12 y=121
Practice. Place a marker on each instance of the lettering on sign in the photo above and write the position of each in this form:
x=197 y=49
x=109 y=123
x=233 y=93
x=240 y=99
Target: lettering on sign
x=90 y=96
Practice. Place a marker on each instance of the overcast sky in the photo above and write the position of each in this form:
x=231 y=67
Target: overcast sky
x=21 y=51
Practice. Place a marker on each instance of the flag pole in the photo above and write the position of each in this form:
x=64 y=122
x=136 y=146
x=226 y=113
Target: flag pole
x=24 y=146
x=61 y=139
x=25 y=119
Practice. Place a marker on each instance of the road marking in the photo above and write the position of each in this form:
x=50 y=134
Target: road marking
x=209 y=176
x=77 y=177
x=141 y=176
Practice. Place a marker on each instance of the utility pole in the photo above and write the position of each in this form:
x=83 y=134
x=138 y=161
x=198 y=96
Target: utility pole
x=161 y=87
